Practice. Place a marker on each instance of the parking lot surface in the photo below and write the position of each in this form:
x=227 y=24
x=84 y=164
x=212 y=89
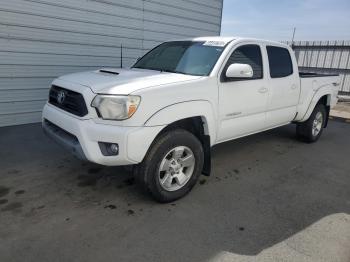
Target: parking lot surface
x=269 y=198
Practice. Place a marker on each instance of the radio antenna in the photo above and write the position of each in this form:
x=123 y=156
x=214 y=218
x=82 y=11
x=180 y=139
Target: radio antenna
x=121 y=55
x=294 y=29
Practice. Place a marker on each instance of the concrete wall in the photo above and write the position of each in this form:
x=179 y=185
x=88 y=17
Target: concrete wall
x=42 y=39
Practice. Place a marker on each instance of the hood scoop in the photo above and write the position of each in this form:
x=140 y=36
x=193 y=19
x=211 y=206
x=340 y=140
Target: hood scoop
x=108 y=72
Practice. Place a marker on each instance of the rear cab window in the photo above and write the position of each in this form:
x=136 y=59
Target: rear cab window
x=280 y=62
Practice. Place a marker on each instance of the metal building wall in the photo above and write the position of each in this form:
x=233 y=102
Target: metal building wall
x=331 y=57
x=42 y=39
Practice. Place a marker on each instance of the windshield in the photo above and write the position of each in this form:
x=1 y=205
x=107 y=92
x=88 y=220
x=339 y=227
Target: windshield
x=185 y=57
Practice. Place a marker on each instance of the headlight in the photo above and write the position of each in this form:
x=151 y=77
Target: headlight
x=111 y=107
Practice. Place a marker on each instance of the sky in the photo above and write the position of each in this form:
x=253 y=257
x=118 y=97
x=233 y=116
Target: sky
x=275 y=19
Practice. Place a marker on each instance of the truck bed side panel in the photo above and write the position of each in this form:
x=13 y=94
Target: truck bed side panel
x=312 y=89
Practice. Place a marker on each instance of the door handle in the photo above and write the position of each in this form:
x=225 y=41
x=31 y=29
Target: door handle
x=294 y=86
x=263 y=90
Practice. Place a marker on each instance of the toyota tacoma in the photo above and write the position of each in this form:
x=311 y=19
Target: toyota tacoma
x=163 y=115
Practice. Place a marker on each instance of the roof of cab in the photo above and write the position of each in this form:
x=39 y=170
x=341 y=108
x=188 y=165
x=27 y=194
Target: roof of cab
x=225 y=39
x=215 y=39
x=222 y=39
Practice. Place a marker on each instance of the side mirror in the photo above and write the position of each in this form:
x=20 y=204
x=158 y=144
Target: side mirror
x=239 y=71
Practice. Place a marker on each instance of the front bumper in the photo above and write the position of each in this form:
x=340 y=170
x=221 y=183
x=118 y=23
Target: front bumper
x=81 y=137
x=63 y=138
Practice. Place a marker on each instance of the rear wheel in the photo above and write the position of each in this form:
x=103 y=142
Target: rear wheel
x=172 y=165
x=311 y=130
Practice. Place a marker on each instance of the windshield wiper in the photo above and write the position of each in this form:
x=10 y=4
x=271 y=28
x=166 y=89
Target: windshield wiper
x=162 y=70
x=173 y=71
x=146 y=68
x=180 y=72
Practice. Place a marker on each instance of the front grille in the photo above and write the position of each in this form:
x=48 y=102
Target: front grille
x=72 y=102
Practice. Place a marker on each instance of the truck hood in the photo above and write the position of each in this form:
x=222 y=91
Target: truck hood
x=124 y=81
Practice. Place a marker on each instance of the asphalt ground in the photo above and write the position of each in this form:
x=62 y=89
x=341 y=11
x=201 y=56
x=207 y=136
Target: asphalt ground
x=269 y=198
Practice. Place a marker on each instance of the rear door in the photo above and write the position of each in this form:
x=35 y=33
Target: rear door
x=284 y=87
x=242 y=102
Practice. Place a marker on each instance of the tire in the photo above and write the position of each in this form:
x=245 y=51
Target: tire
x=311 y=130
x=169 y=180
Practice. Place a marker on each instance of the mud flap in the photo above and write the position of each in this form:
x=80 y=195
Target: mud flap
x=207 y=155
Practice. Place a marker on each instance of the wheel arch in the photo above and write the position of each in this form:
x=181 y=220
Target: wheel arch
x=198 y=127
x=197 y=117
x=197 y=109
x=322 y=97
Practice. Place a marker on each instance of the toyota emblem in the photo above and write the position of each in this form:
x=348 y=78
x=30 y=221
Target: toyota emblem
x=61 y=97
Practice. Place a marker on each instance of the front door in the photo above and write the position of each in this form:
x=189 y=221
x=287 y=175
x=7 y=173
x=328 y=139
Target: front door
x=242 y=102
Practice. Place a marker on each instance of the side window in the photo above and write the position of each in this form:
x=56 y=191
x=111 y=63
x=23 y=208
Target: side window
x=280 y=62
x=247 y=54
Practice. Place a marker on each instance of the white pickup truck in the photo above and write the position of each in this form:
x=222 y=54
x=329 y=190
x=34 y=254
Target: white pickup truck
x=165 y=113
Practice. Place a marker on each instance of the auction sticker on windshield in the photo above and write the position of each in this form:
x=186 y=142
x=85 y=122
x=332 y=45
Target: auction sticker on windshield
x=214 y=43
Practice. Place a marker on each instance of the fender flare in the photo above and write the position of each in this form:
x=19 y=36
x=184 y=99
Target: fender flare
x=322 y=91
x=183 y=110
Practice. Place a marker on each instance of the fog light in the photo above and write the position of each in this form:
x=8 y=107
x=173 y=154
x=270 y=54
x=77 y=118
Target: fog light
x=114 y=148
x=109 y=149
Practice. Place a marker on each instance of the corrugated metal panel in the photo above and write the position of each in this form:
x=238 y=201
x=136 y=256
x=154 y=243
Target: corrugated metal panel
x=42 y=39
x=19 y=119
x=331 y=57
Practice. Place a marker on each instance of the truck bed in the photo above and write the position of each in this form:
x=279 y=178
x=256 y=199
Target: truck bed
x=307 y=74
x=311 y=83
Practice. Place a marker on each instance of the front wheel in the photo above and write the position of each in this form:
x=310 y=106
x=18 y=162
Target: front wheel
x=311 y=130
x=172 y=166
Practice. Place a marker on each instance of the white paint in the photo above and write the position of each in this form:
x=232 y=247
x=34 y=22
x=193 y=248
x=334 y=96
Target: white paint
x=228 y=109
